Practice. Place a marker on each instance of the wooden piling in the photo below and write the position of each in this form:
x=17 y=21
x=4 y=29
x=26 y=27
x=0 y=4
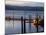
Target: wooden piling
x=22 y=24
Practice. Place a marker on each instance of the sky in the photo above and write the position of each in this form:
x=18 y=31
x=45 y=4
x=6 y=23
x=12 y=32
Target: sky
x=23 y=3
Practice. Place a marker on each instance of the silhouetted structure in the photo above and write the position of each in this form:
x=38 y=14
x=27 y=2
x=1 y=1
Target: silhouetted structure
x=42 y=23
x=22 y=24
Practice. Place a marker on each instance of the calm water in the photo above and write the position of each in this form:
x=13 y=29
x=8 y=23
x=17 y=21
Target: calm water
x=18 y=14
x=17 y=24
x=17 y=27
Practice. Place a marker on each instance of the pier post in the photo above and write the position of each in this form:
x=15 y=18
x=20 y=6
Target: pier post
x=22 y=24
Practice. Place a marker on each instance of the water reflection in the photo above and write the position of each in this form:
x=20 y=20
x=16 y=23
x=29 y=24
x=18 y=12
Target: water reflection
x=17 y=27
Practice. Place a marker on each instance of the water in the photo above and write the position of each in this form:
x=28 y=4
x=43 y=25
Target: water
x=10 y=29
x=18 y=14
x=17 y=24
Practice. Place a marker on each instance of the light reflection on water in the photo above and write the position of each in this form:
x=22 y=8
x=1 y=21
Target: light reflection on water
x=17 y=27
